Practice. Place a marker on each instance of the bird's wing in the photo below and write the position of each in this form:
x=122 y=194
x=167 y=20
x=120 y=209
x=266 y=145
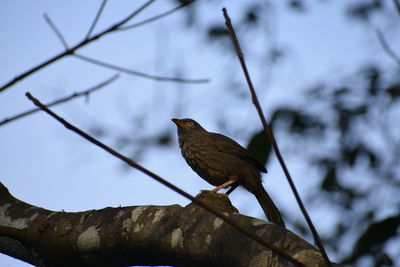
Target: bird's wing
x=226 y=145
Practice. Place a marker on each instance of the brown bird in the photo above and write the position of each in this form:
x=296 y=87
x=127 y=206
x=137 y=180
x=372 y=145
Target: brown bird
x=222 y=162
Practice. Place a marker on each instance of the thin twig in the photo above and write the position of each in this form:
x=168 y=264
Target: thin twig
x=86 y=92
x=103 y=4
x=56 y=30
x=271 y=137
x=76 y=47
x=397 y=4
x=136 y=73
x=389 y=51
x=115 y=67
x=159 y=179
x=129 y=27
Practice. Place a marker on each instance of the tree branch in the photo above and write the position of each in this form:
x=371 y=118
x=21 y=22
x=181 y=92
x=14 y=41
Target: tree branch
x=226 y=218
x=56 y=30
x=389 y=51
x=103 y=4
x=85 y=93
x=74 y=48
x=136 y=73
x=114 y=67
x=14 y=248
x=146 y=235
x=271 y=137
x=129 y=27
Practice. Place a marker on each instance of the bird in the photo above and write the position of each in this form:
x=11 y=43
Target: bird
x=222 y=162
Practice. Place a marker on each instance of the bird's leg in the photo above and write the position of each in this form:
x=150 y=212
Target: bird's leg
x=228 y=183
x=233 y=187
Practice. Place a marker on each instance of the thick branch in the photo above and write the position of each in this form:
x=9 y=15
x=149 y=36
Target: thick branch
x=146 y=235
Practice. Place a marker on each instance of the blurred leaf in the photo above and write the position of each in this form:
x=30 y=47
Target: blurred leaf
x=343 y=195
x=350 y=155
x=341 y=91
x=259 y=147
x=276 y=54
x=383 y=259
x=340 y=229
x=299 y=122
x=98 y=131
x=346 y=115
x=348 y=195
x=375 y=237
x=184 y=1
x=251 y=17
x=362 y=10
x=372 y=158
x=355 y=111
x=316 y=91
x=394 y=91
x=191 y=17
x=297 y=5
x=122 y=141
x=373 y=75
x=217 y=31
x=300 y=227
x=325 y=162
x=252 y=14
x=369 y=215
x=164 y=139
x=329 y=181
x=343 y=123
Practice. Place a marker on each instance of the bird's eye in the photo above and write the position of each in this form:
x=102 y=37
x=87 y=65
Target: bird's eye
x=191 y=123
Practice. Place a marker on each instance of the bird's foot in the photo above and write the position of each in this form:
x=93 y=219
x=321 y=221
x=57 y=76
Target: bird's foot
x=228 y=183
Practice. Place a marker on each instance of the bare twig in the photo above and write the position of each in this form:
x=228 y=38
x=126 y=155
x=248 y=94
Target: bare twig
x=86 y=92
x=389 y=51
x=56 y=30
x=76 y=47
x=103 y=4
x=271 y=137
x=137 y=73
x=129 y=27
x=159 y=179
x=115 y=67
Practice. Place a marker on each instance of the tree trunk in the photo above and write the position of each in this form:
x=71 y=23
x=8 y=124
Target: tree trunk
x=143 y=235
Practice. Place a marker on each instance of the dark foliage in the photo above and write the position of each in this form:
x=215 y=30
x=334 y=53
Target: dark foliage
x=358 y=118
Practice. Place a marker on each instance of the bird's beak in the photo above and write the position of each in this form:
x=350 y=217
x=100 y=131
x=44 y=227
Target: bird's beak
x=179 y=123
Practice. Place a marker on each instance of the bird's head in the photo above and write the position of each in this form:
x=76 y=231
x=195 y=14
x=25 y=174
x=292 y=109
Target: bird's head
x=187 y=126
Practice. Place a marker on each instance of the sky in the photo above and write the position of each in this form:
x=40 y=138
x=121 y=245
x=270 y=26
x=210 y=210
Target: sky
x=46 y=165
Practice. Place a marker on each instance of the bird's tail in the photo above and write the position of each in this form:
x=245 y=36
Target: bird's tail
x=268 y=206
